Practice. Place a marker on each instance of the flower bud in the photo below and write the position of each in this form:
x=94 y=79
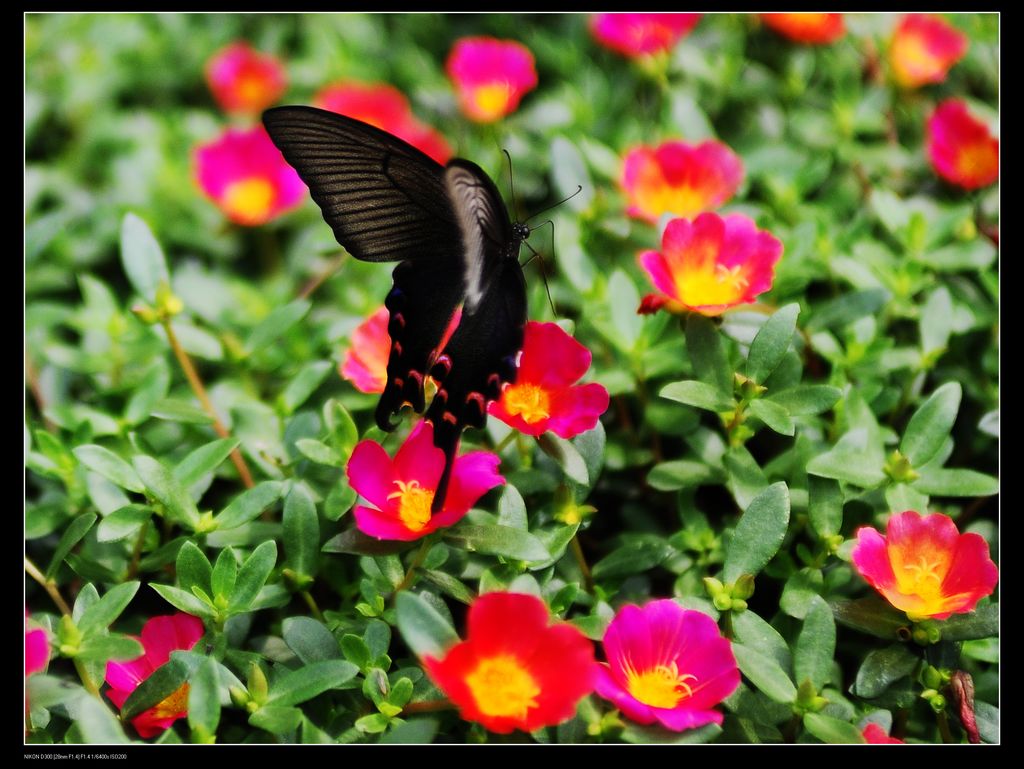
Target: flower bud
x=713 y=586
x=239 y=696
x=743 y=588
x=258 y=688
x=722 y=602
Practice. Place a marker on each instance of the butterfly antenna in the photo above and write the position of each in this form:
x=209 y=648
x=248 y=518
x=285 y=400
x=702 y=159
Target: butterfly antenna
x=511 y=181
x=579 y=189
x=543 y=275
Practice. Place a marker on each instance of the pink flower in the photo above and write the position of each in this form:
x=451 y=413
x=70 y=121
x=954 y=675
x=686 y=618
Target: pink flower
x=401 y=491
x=545 y=396
x=37 y=649
x=366 y=362
x=811 y=28
x=710 y=264
x=641 y=34
x=960 y=148
x=875 y=735
x=243 y=80
x=925 y=566
x=160 y=636
x=923 y=49
x=246 y=176
x=679 y=178
x=490 y=76
x=667 y=664
x=385 y=107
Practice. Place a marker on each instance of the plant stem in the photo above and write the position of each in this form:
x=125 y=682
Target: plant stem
x=48 y=585
x=790 y=729
x=197 y=387
x=32 y=379
x=581 y=561
x=320 y=278
x=427 y=706
x=947 y=736
x=311 y=603
x=504 y=442
x=133 y=567
x=417 y=561
x=727 y=629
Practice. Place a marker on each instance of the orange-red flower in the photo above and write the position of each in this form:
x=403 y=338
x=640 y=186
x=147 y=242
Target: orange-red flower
x=925 y=566
x=641 y=34
x=960 y=148
x=385 y=107
x=875 y=735
x=246 y=176
x=244 y=80
x=923 y=48
x=490 y=76
x=514 y=670
x=679 y=178
x=710 y=264
x=545 y=395
x=812 y=28
x=160 y=637
x=365 y=363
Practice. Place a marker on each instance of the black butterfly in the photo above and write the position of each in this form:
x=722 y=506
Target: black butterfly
x=448 y=227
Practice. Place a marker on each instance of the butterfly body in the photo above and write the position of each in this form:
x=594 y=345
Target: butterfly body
x=457 y=308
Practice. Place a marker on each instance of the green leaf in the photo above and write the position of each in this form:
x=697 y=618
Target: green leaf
x=309 y=681
x=754 y=632
x=704 y=346
x=846 y=308
x=148 y=393
x=87 y=596
x=249 y=504
x=343 y=431
x=110 y=466
x=871 y=615
x=123 y=523
x=771 y=343
x=569 y=172
x=102 y=614
x=512 y=508
x=449 y=585
x=184 y=601
x=800 y=590
x=831 y=730
x=591 y=447
x=682 y=474
x=902 y=496
x=955 y=482
x=883 y=667
x=415 y=731
x=310 y=640
x=225 y=572
x=356 y=651
x=930 y=425
x=816 y=645
x=339 y=500
x=72 y=535
x=566 y=456
x=100 y=648
x=142 y=257
x=981 y=623
x=96 y=724
x=161 y=683
x=824 y=505
x=765 y=673
x=657 y=735
x=773 y=415
x=623 y=299
x=497 y=540
x=276 y=324
x=745 y=477
x=635 y=556
x=759 y=533
x=276 y=719
x=805 y=400
x=700 y=394
x=204 y=698
x=377 y=637
x=426 y=632
x=304 y=384
x=253 y=575
x=318 y=452
x=852 y=459
x=354 y=542
x=166 y=489
x=203 y=460
x=193 y=568
x=988 y=721
x=936 y=323
x=176 y=410
x=301 y=531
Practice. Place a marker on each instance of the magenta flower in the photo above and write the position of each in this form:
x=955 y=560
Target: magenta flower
x=667 y=664
x=545 y=395
x=960 y=148
x=366 y=362
x=246 y=176
x=160 y=636
x=875 y=735
x=402 y=490
x=924 y=48
x=37 y=649
x=244 y=80
x=490 y=76
x=641 y=34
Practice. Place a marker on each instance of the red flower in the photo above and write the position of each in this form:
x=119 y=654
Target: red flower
x=37 y=649
x=402 y=490
x=366 y=362
x=680 y=178
x=641 y=34
x=514 y=670
x=490 y=76
x=960 y=148
x=160 y=637
x=875 y=735
x=925 y=566
x=812 y=28
x=246 y=176
x=243 y=80
x=545 y=396
x=385 y=107
x=923 y=49
x=711 y=264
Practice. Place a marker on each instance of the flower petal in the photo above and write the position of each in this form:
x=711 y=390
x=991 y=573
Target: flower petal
x=162 y=635
x=371 y=473
x=473 y=475
x=418 y=459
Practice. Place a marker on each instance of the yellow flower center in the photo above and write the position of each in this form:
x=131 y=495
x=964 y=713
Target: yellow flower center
x=913 y=61
x=921 y=577
x=252 y=88
x=704 y=284
x=662 y=686
x=249 y=200
x=976 y=158
x=501 y=687
x=413 y=504
x=529 y=401
x=174 y=704
x=657 y=197
x=491 y=100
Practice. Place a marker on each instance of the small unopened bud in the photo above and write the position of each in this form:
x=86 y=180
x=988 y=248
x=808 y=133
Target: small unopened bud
x=239 y=696
x=961 y=686
x=738 y=604
x=713 y=586
x=743 y=588
x=722 y=602
x=258 y=687
x=931 y=677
